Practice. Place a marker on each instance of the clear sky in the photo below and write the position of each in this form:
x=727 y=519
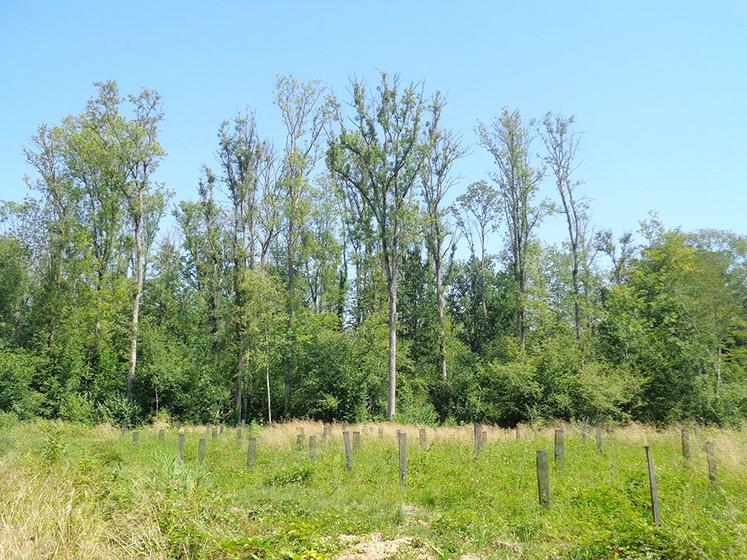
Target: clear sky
x=659 y=89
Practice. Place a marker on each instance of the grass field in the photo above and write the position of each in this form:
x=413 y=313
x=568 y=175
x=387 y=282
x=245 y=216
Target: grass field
x=76 y=492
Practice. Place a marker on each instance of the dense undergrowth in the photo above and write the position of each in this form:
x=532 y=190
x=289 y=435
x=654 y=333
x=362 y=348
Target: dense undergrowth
x=79 y=492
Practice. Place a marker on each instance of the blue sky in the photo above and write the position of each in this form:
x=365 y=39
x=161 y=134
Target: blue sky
x=659 y=89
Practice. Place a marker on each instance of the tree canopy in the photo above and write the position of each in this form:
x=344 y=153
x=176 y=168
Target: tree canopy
x=347 y=275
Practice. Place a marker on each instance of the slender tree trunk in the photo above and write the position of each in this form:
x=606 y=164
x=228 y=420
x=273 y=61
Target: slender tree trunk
x=391 y=400
x=441 y=316
x=134 y=325
x=718 y=371
x=289 y=304
x=576 y=307
x=269 y=399
x=520 y=312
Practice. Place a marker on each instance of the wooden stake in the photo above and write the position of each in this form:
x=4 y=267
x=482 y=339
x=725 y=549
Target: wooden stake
x=180 y=449
x=711 y=454
x=402 y=440
x=543 y=479
x=685 y=435
x=251 y=454
x=652 y=486
x=559 y=447
x=312 y=447
x=201 y=451
x=348 y=450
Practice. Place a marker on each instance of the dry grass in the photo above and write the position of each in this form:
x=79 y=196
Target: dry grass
x=44 y=517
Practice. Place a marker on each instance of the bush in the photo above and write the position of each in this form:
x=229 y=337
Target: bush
x=510 y=392
x=117 y=409
x=77 y=408
x=18 y=369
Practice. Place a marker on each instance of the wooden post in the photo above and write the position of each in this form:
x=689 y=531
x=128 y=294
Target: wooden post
x=402 y=441
x=201 y=451
x=478 y=437
x=543 y=479
x=238 y=437
x=180 y=449
x=423 y=441
x=356 y=441
x=652 y=485
x=124 y=427
x=221 y=428
x=559 y=447
x=518 y=432
x=215 y=433
x=251 y=454
x=685 y=434
x=599 y=438
x=178 y=424
x=348 y=450
x=300 y=442
x=711 y=454
x=161 y=435
x=135 y=436
x=312 y=447
x=325 y=434
x=584 y=432
x=381 y=433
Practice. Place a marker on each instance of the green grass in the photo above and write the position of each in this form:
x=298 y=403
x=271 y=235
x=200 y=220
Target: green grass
x=74 y=492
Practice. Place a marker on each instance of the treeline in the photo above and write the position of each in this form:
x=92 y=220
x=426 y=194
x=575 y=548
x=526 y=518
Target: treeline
x=328 y=276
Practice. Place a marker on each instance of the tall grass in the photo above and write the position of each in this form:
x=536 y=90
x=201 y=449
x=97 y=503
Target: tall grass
x=73 y=492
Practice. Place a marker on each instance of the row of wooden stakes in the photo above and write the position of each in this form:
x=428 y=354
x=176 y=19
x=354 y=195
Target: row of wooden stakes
x=352 y=444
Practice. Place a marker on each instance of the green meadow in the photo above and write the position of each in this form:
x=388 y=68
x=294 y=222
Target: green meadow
x=69 y=491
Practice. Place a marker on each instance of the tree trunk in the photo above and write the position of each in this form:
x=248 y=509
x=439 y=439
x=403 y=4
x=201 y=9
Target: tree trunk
x=238 y=389
x=441 y=318
x=576 y=309
x=520 y=313
x=269 y=400
x=139 y=266
x=289 y=304
x=391 y=401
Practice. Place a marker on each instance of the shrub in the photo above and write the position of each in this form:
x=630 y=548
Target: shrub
x=76 y=408
x=18 y=370
x=117 y=409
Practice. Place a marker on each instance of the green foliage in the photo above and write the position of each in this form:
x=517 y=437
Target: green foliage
x=118 y=409
x=52 y=447
x=280 y=275
x=19 y=372
x=77 y=408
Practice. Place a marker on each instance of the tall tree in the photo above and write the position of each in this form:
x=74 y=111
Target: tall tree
x=443 y=148
x=378 y=155
x=245 y=159
x=144 y=201
x=478 y=212
x=305 y=112
x=561 y=145
x=46 y=156
x=509 y=142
